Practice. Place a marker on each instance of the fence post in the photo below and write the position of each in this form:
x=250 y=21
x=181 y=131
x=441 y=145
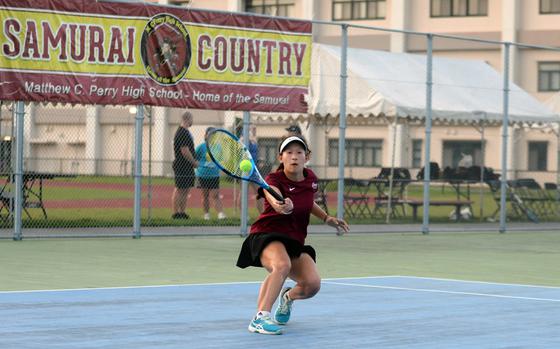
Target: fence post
x=245 y=184
x=342 y=122
x=18 y=173
x=505 y=122
x=138 y=171
x=558 y=170
x=482 y=165
x=428 y=132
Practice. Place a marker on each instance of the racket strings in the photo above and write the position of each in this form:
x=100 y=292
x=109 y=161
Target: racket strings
x=227 y=152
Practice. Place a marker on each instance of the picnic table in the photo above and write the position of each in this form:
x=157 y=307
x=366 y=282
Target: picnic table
x=458 y=204
x=32 y=192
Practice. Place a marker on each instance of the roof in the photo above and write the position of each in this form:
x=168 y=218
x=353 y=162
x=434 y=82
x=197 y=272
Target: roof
x=394 y=85
x=554 y=103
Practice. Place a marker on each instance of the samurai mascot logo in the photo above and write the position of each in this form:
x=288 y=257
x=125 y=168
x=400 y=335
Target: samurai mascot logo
x=166 y=49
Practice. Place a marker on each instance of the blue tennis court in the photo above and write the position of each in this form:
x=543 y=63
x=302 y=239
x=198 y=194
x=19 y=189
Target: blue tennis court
x=372 y=312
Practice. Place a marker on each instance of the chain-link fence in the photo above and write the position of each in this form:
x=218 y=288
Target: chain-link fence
x=434 y=105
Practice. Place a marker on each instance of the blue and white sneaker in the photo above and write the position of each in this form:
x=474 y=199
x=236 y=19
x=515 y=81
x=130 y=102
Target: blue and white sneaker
x=264 y=325
x=284 y=310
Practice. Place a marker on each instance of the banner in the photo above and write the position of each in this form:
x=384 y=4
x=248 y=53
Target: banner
x=102 y=52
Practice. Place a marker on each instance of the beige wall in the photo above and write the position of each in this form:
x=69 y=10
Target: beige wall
x=421 y=20
x=117 y=124
x=533 y=20
x=529 y=71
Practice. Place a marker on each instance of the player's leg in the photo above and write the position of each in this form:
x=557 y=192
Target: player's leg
x=237 y=195
x=215 y=195
x=205 y=191
x=175 y=203
x=276 y=261
x=179 y=201
x=308 y=282
x=176 y=196
x=183 y=184
x=205 y=201
x=306 y=275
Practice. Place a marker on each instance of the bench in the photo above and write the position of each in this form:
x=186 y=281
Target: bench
x=458 y=204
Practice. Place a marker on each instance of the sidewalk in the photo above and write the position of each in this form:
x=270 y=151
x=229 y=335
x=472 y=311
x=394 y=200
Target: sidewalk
x=234 y=230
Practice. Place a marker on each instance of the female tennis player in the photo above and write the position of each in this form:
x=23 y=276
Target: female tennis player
x=277 y=238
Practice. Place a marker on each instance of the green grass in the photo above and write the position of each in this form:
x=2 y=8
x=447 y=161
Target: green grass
x=84 y=193
x=517 y=257
x=113 y=217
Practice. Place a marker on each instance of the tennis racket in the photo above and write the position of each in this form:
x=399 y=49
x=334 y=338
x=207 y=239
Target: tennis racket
x=227 y=152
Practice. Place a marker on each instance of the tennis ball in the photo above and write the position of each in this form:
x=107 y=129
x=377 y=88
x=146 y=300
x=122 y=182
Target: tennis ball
x=245 y=165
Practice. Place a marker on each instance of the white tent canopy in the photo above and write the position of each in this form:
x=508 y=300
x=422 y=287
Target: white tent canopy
x=554 y=103
x=394 y=85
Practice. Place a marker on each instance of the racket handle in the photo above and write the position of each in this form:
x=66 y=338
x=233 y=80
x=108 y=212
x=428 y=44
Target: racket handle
x=275 y=194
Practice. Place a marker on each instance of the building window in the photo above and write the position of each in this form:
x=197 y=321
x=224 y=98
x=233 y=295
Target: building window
x=359 y=152
x=470 y=152
x=358 y=9
x=5 y=156
x=538 y=154
x=281 y=8
x=416 y=153
x=176 y=2
x=549 y=76
x=549 y=6
x=268 y=154
x=458 y=8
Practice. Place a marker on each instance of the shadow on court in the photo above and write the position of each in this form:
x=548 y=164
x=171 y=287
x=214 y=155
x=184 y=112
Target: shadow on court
x=376 y=312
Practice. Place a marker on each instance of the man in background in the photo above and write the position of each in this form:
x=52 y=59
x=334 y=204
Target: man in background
x=183 y=166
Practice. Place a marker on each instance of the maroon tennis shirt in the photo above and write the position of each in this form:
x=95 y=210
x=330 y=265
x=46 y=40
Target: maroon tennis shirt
x=302 y=195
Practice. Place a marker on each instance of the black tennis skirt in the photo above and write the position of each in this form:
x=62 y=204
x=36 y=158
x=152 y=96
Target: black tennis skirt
x=250 y=254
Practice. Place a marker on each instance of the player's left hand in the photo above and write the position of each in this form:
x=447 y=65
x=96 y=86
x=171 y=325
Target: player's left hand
x=285 y=207
x=340 y=224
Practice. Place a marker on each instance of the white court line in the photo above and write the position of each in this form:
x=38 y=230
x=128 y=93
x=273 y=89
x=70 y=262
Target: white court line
x=133 y=287
x=476 y=282
x=326 y=280
x=176 y=285
x=440 y=279
x=442 y=291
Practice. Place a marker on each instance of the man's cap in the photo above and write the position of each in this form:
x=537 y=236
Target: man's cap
x=292 y=139
x=294 y=129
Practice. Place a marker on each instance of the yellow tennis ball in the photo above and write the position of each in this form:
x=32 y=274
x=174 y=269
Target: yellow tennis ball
x=245 y=165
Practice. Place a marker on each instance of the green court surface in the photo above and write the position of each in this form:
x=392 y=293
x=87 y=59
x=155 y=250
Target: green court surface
x=515 y=257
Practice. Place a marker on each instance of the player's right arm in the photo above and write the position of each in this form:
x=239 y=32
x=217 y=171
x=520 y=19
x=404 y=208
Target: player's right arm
x=285 y=207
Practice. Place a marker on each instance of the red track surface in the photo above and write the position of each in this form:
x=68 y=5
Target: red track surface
x=161 y=196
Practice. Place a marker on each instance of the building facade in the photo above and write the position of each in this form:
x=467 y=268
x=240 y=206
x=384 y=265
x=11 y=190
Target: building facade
x=97 y=140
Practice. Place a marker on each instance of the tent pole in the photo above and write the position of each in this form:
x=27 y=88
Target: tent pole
x=482 y=164
x=481 y=115
x=428 y=132
x=392 y=174
x=505 y=124
x=342 y=122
